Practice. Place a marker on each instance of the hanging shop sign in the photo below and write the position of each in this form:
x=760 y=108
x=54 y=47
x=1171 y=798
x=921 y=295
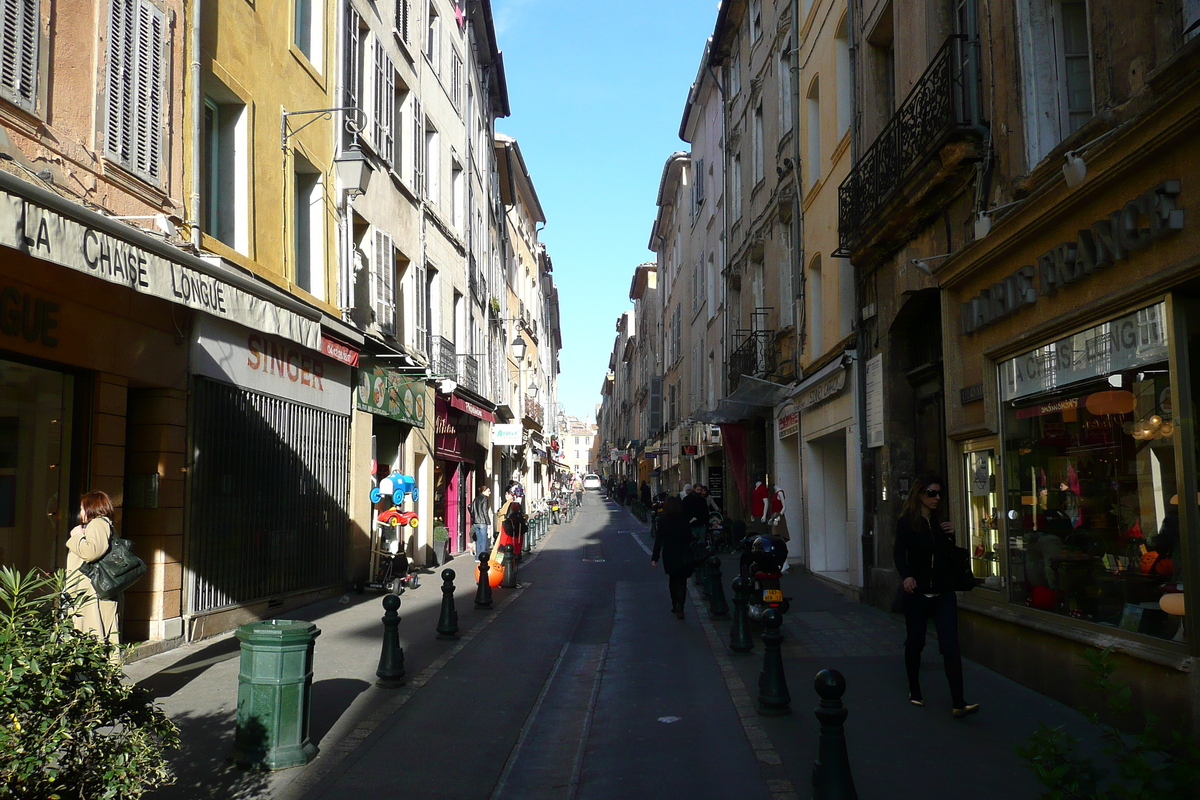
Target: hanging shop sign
x=47 y=235
x=387 y=393
x=1123 y=343
x=468 y=407
x=339 y=351
x=688 y=450
x=822 y=386
x=1142 y=221
x=272 y=365
x=507 y=434
x=789 y=424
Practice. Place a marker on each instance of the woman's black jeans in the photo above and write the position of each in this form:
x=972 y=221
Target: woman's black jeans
x=678 y=586
x=944 y=609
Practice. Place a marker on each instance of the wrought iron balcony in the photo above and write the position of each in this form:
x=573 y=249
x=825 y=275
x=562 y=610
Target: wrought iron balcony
x=752 y=355
x=442 y=358
x=468 y=372
x=942 y=105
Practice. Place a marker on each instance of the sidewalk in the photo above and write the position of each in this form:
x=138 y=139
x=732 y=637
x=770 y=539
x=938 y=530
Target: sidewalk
x=196 y=685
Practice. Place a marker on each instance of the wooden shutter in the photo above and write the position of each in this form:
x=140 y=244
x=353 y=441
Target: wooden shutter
x=383 y=274
x=353 y=78
x=135 y=91
x=403 y=18
x=385 y=103
x=418 y=122
x=19 y=28
x=421 y=307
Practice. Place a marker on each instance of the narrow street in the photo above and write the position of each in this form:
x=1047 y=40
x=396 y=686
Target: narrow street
x=580 y=684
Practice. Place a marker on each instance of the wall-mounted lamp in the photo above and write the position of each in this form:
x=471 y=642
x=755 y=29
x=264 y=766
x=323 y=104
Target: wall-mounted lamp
x=923 y=263
x=1075 y=170
x=518 y=348
x=353 y=170
x=983 y=220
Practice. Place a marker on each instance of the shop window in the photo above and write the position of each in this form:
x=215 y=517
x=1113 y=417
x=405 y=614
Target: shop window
x=1092 y=504
x=35 y=448
x=983 y=515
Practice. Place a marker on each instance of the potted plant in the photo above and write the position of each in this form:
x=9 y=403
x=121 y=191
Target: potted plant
x=441 y=542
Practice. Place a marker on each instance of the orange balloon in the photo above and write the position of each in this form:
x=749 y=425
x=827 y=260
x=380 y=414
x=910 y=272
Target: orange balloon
x=495 y=573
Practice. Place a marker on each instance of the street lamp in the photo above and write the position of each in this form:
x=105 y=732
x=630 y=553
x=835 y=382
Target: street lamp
x=354 y=170
x=518 y=348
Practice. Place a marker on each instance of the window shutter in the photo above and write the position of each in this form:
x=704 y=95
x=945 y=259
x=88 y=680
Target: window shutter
x=135 y=91
x=384 y=107
x=403 y=12
x=456 y=68
x=353 y=79
x=383 y=269
x=656 y=404
x=421 y=307
x=19 y=28
x=418 y=149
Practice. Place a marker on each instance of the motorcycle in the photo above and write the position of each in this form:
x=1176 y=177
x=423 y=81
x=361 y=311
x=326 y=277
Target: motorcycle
x=761 y=566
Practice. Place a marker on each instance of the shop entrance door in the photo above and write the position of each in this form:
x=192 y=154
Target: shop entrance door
x=827 y=507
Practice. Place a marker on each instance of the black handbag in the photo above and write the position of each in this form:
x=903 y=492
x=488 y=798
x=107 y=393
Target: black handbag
x=116 y=570
x=962 y=579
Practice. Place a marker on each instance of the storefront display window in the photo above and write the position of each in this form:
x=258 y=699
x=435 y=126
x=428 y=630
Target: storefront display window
x=35 y=448
x=983 y=516
x=1092 y=510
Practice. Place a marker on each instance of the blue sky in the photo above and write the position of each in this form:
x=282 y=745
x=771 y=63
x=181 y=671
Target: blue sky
x=597 y=89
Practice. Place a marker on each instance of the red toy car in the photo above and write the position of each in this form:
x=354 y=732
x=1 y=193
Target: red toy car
x=396 y=517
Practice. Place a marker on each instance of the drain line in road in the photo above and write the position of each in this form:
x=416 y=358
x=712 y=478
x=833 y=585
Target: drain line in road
x=770 y=765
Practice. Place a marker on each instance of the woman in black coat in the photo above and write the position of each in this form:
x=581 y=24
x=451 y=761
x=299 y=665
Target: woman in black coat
x=673 y=544
x=924 y=547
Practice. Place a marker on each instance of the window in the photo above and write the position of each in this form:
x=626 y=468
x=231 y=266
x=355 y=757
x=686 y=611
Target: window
x=382 y=109
x=421 y=306
x=697 y=187
x=456 y=79
x=1056 y=56
x=136 y=87
x=418 y=148
x=355 y=68
x=1191 y=18
x=735 y=75
x=756 y=28
x=431 y=163
x=758 y=144
x=816 y=309
x=735 y=188
x=308 y=33
x=1090 y=501
x=845 y=82
x=785 y=89
x=383 y=282
x=814 y=133
x=458 y=195
x=710 y=288
x=20 y=28
x=404 y=20
x=433 y=39
x=308 y=223
x=224 y=173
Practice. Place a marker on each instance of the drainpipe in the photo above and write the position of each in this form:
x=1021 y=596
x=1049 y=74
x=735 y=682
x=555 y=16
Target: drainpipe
x=197 y=115
x=798 y=282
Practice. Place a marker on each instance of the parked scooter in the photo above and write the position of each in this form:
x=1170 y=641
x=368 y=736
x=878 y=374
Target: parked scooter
x=761 y=565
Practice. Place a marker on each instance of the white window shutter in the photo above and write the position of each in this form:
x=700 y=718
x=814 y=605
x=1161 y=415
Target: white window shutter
x=383 y=269
x=421 y=306
x=353 y=79
x=135 y=92
x=418 y=121
x=385 y=103
x=151 y=27
x=20 y=21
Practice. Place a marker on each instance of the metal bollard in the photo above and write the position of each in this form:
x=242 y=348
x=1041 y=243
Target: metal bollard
x=831 y=778
x=740 y=640
x=510 y=568
x=773 y=697
x=391 y=657
x=718 y=608
x=483 y=594
x=447 y=627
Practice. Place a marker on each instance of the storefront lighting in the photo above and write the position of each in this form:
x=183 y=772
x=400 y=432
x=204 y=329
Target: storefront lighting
x=922 y=264
x=1075 y=170
x=983 y=220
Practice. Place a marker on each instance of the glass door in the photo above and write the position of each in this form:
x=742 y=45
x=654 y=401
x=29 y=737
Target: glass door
x=980 y=500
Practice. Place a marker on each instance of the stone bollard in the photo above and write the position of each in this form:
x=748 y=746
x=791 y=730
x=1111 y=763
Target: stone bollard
x=718 y=608
x=483 y=594
x=447 y=627
x=831 y=778
x=740 y=640
x=773 y=697
x=391 y=658
x=510 y=568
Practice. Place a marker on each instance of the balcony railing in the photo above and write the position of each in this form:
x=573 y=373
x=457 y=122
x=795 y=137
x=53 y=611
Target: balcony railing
x=442 y=357
x=943 y=103
x=752 y=355
x=468 y=372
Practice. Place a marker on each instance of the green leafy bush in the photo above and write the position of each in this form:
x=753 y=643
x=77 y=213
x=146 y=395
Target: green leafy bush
x=1144 y=765
x=69 y=728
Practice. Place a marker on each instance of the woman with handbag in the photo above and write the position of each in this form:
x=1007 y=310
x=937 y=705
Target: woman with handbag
x=927 y=560
x=673 y=545
x=89 y=542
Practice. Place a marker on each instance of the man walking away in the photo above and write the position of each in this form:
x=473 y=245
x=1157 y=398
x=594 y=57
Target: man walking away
x=481 y=520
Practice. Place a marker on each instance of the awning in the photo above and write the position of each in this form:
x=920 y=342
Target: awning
x=751 y=395
x=468 y=407
x=821 y=385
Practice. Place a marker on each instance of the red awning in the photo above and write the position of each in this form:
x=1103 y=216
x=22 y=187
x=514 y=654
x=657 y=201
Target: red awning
x=339 y=350
x=472 y=409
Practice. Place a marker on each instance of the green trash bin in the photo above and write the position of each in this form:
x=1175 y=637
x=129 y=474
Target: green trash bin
x=274 y=692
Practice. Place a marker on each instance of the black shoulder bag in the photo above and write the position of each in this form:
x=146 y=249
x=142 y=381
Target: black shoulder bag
x=961 y=578
x=116 y=570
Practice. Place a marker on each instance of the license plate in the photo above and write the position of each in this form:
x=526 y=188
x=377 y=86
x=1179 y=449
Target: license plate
x=772 y=595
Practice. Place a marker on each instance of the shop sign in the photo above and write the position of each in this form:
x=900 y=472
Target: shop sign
x=822 y=390
x=874 y=401
x=688 y=450
x=507 y=435
x=468 y=407
x=716 y=484
x=1106 y=242
x=970 y=394
x=22 y=314
x=390 y=394
x=339 y=351
x=52 y=237
x=1123 y=343
x=789 y=424
x=272 y=365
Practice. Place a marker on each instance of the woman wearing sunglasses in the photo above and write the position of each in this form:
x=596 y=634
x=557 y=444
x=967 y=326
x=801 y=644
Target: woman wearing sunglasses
x=923 y=553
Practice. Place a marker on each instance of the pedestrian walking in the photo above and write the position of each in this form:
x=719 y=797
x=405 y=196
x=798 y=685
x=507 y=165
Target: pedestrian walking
x=481 y=520
x=89 y=542
x=924 y=547
x=673 y=545
x=644 y=494
x=695 y=511
x=512 y=525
